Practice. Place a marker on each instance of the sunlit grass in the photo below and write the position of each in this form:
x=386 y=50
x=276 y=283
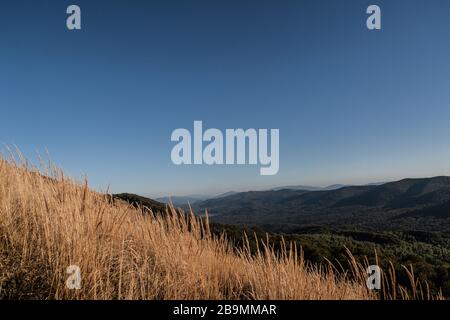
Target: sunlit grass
x=49 y=222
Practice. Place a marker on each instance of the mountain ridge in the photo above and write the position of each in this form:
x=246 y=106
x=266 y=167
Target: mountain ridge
x=392 y=201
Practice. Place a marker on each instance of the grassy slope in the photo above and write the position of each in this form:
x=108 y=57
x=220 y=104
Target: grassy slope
x=48 y=224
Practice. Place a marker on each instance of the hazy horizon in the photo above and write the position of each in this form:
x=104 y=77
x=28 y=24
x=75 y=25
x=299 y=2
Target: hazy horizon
x=213 y=194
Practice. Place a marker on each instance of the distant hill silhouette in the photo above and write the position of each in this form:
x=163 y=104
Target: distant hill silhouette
x=139 y=201
x=309 y=188
x=404 y=193
x=408 y=204
x=182 y=200
x=411 y=203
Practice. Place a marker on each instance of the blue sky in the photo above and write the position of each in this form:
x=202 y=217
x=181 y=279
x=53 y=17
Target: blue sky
x=352 y=105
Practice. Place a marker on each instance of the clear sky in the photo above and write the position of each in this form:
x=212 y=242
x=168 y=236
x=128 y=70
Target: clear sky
x=352 y=105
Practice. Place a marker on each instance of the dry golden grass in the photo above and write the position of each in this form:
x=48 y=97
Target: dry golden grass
x=47 y=224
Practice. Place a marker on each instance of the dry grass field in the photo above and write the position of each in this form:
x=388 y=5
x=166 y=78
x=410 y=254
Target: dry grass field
x=49 y=222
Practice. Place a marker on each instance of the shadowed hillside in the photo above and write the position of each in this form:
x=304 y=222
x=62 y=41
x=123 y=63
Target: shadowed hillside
x=407 y=204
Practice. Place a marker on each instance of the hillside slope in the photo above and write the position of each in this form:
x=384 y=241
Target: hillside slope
x=49 y=224
x=422 y=204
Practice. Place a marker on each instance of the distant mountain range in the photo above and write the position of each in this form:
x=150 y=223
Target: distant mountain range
x=422 y=204
x=408 y=204
x=309 y=188
x=179 y=201
x=195 y=198
x=182 y=200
